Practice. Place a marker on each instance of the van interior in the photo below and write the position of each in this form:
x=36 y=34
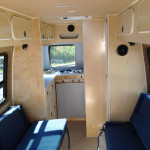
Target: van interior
x=82 y=60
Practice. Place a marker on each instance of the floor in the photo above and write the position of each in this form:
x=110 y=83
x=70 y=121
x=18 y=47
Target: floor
x=79 y=141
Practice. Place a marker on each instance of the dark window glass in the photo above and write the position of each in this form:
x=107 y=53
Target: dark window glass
x=3 y=77
x=62 y=55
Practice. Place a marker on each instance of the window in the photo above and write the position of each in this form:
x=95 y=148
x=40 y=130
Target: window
x=3 y=77
x=62 y=55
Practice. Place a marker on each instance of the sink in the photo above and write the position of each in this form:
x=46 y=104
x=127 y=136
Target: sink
x=49 y=72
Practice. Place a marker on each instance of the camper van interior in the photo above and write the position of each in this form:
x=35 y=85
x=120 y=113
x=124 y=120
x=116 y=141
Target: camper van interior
x=74 y=74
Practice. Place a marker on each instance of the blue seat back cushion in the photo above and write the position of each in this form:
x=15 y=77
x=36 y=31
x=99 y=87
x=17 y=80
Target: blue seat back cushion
x=140 y=119
x=12 y=128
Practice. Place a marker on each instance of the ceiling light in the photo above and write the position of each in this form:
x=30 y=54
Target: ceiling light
x=76 y=18
x=67 y=5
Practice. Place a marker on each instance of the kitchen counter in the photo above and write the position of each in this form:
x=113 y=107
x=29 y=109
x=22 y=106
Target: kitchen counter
x=48 y=78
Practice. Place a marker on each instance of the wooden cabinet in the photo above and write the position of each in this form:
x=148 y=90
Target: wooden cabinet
x=50 y=31
x=43 y=28
x=125 y=22
x=143 y=16
x=22 y=28
x=51 y=105
x=5 y=29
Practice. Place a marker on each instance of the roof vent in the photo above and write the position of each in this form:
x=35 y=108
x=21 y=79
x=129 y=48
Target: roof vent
x=76 y=18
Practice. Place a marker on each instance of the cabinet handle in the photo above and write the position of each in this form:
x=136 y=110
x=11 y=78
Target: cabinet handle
x=54 y=106
x=25 y=34
x=122 y=28
x=51 y=114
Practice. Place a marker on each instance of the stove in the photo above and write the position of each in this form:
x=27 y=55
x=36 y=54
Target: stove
x=69 y=71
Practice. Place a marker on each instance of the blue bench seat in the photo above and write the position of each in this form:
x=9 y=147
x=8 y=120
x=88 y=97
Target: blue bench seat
x=17 y=134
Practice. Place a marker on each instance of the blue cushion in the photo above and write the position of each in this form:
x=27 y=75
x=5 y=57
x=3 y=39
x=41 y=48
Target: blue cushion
x=44 y=135
x=140 y=119
x=12 y=128
x=122 y=136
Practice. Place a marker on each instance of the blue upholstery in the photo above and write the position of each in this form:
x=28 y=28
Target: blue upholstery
x=122 y=136
x=140 y=119
x=133 y=135
x=44 y=135
x=12 y=128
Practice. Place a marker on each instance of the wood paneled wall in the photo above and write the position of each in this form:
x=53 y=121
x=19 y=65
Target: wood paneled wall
x=95 y=75
x=62 y=29
x=9 y=51
x=127 y=76
x=28 y=82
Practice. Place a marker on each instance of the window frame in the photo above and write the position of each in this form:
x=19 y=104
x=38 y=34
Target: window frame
x=3 y=84
x=60 y=67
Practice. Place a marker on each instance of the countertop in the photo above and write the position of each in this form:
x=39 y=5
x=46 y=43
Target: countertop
x=48 y=78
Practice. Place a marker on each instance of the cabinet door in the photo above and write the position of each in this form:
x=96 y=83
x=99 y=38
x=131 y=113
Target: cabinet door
x=48 y=111
x=22 y=28
x=50 y=30
x=143 y=16
x=125 y=22
x=5 y=29
x=43 y=28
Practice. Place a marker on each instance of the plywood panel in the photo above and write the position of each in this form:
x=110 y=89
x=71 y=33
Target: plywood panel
x=50 y=30
x=140 y=23
x=62 y=29
x=125 y=22
x=94 y=67
x=44 y=32
x=143 y=18
x=28 y=77
x=127 y=76
x=22 y=28
x=5 y=29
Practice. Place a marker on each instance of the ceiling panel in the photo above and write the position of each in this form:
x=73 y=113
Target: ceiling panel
x=48 y=12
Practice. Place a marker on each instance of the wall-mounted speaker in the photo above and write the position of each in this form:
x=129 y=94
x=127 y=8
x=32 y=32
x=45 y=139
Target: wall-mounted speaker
x=122 y=50
x=71 y=28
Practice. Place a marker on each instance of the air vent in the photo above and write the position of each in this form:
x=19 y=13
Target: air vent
x=76 y=18
x=69 y=36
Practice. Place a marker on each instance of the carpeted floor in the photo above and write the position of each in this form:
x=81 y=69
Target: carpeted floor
x=79 y=141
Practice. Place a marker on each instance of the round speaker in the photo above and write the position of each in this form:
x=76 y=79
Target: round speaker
x=71 y=28
x=122 y=50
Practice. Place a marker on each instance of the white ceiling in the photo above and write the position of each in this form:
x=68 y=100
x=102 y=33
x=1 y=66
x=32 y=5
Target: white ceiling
x=48 y=12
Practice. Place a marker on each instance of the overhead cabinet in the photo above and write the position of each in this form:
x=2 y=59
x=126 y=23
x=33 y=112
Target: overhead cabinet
x=22 y=28
x=143 y=16
x=44 y=34
x=5 y=28
x=125 y=22
x=50 y=30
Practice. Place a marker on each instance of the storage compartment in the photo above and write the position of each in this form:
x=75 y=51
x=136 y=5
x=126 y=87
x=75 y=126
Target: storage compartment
x=22 y=28
x=50 y=30
x=44 y=34
x=143 y=16
x=5 y=29
x=51 y=107
x=125 y=22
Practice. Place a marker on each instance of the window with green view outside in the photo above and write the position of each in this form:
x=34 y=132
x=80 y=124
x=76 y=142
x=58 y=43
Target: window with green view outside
x=62 y=56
